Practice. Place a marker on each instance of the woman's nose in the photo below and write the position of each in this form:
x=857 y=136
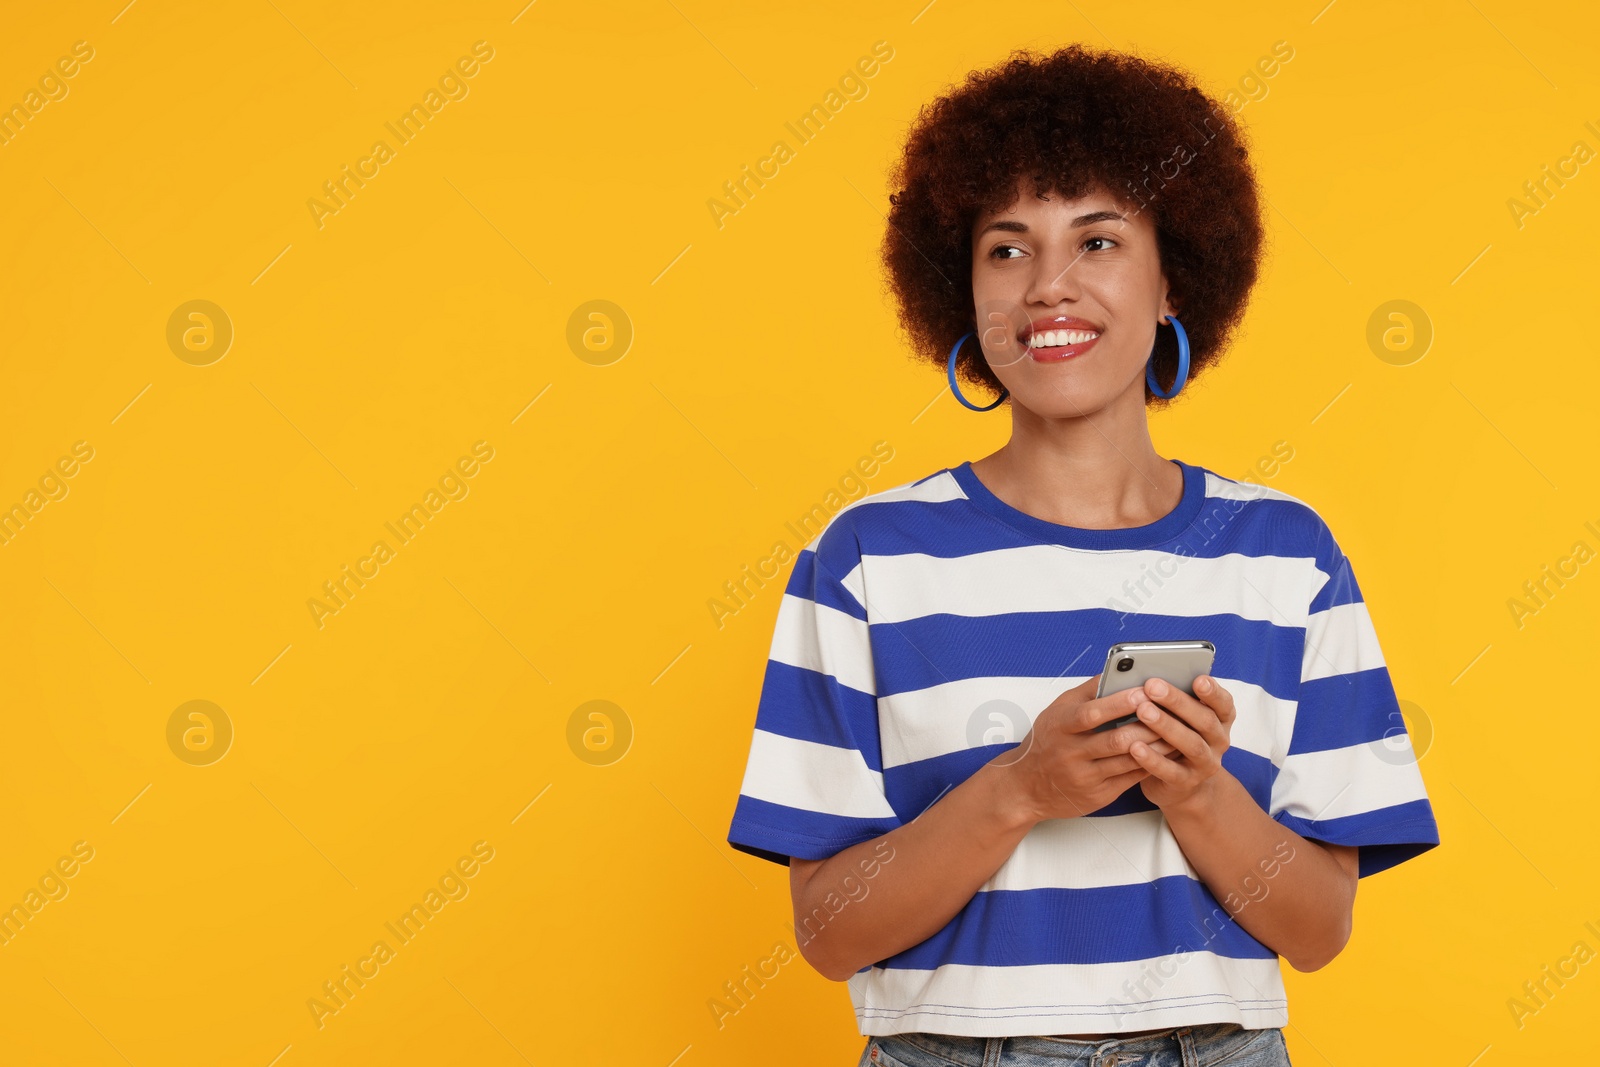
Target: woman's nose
x=1055 y=277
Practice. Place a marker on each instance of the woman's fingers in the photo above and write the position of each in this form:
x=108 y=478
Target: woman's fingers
x=1123 y=782
x=1115 y=765
x=1215 y=697
x=1168 y=770
x=1176 y=732
x=1196 y=713
x=1120 y=762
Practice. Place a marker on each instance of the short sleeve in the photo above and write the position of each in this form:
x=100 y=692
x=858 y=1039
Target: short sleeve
x=813 y=784
x=1350 y=776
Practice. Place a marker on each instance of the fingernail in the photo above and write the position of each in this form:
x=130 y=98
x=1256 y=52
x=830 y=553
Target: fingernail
x=1148 y=714
x=1202 y=685
x=1156 y=687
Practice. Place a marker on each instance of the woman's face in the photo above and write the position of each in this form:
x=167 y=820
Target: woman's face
x=1087 y=271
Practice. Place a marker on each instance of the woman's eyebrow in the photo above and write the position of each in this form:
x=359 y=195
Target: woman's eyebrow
x=1013 y=226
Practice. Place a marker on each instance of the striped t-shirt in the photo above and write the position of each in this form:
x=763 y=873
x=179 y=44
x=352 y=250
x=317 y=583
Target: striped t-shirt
x=924 y=628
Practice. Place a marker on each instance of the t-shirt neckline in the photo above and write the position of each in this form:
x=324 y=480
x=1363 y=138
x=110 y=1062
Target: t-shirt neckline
x=1163 y=529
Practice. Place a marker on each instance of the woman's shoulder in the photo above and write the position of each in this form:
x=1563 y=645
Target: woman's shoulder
x=1253 y=519
x=1291 y=519
x=896 y=507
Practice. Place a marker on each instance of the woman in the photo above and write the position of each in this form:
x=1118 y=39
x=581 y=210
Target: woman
x=998 y=881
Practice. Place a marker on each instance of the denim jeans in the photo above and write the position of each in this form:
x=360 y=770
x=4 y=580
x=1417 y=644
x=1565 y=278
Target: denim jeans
x=1206 y=1045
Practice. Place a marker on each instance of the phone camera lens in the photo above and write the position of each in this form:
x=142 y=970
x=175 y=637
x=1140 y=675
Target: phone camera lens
x=1125 y=664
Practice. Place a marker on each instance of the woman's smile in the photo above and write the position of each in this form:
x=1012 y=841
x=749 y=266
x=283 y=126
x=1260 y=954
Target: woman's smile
x=1058 y=338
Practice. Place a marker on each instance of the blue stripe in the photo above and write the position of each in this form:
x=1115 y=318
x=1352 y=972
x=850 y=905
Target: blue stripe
x=810 y=835
x=1387 y=836
x=810 y=706
x=1344 y=710
x=913 y=787
x=1111 y=924
x=1256 y=773
x=808 y=581
x=837 y=553
x=1340 y=588
x=952 y=528
x=935 y=649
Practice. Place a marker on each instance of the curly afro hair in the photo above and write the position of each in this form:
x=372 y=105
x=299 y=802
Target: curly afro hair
x=1075 y=120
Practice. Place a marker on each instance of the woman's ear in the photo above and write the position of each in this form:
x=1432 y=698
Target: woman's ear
x=1168 y=304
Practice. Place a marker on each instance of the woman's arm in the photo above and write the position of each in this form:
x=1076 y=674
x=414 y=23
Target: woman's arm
x=926 y=871
x=886 y=894
x=1294 y=895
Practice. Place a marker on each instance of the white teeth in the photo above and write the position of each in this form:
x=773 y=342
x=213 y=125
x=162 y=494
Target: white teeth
x=1057 y=338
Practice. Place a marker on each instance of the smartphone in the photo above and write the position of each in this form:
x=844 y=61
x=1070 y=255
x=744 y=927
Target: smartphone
x=1132 y=663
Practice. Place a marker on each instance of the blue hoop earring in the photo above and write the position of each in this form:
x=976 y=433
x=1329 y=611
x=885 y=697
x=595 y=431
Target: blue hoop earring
x=950 y=368
x=1183 y=363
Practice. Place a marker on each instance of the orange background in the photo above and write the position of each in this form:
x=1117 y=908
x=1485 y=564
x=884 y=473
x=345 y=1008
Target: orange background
x=739 y=372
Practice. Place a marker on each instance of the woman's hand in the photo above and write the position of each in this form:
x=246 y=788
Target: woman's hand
x=1064 y=768
x=1199 y=730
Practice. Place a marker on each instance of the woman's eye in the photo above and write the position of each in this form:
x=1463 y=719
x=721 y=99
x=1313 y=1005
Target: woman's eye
x=1005 y=251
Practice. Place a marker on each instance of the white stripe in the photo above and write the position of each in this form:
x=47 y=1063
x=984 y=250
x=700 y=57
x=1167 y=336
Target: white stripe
x=1229 y=489
x=1172 y=990
x=813 y=777
x=823 y=639
x=971 y=712
x=1348 y=781
x=1340 y=640
x=936 y=489
x=963 y=714
x=1093 y=853
x=1049 y=578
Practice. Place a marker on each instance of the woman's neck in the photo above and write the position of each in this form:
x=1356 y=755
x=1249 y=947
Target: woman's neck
x=1098 y=472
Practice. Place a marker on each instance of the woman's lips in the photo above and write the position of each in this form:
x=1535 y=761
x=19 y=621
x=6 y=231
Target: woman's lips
x=1061 y=352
